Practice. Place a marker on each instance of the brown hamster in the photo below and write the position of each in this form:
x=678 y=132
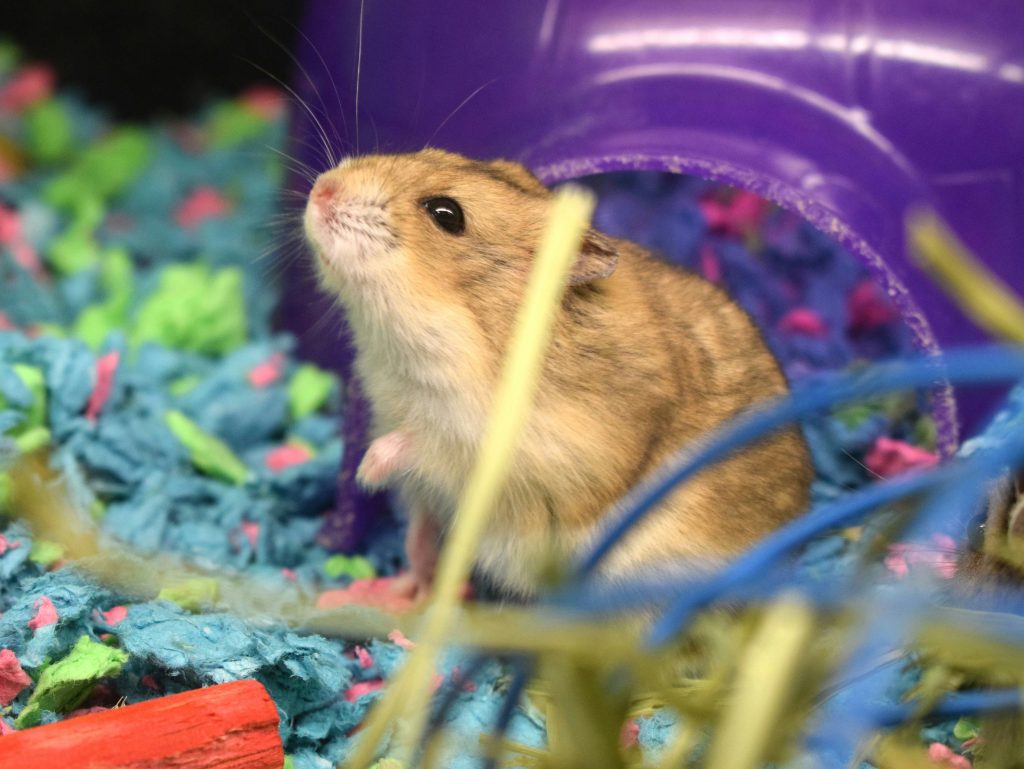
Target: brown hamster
x=993 y=559
x=995 y=552
x=429 y=254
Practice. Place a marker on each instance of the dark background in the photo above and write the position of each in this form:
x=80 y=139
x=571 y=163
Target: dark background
x=144 y=58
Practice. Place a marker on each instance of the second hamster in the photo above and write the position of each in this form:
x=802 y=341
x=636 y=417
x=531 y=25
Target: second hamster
x=994 y=560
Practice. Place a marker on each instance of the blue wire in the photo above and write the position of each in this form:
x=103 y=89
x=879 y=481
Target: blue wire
x=523 y=666
x=995 y=363
x=453 y=692
x=626 y=598
x=957 y=485
x=963 y=478
x=952 y=706
x=762 y=556
x=890 y=620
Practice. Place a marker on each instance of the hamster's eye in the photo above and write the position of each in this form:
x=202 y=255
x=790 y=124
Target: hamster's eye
x=447 y=213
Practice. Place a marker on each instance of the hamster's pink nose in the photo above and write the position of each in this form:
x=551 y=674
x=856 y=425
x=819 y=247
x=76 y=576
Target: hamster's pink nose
x=325 y=190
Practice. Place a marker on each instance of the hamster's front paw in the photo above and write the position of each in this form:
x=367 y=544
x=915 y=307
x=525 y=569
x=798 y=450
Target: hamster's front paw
x=389 y=454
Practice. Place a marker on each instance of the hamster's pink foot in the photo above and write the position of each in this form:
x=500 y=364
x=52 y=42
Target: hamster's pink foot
x=398 y=594
x=379 y=592
x=386 y=456
x=408 y=587
x=407 y=590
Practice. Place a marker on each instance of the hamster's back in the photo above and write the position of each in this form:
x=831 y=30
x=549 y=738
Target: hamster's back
x=642 y=365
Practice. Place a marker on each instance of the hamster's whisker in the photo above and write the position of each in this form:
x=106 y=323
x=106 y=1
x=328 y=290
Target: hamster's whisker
x=295 y=60
x=294 y=164
x=280 y=220
x=281 y=238
x=330 y=78
x=331 y=321
x=289 y=163
x=290 y=214
x=315 y=149
x=293 y=196
x=284 y=228
x=280 y=243
x=279 y=246
x=376 y=133
x=342 y=141
x=325 y=140
x=281 y=258
x=460 y=105
x=871 y=472
x=301 y=172
x=359 y=64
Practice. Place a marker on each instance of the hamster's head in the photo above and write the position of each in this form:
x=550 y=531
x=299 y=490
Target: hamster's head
x=435 y=230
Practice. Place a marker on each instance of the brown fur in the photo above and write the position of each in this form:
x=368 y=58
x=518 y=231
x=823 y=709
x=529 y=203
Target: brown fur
x=642 y=363
x=999 y=559
x=999 y=562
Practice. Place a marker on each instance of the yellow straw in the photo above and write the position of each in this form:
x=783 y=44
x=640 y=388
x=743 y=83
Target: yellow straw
x=981 y=294
x=39 y=497
x=408 y=695
x=764 y=683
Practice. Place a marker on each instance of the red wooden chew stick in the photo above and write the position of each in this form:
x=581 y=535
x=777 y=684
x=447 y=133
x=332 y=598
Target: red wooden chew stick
x=230 y=726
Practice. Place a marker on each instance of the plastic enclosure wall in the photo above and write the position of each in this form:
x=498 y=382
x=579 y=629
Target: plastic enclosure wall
x=846 y=112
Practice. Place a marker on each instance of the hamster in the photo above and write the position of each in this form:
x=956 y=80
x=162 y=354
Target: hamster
x=994 y=559
x=428 y=254
x=995 y=548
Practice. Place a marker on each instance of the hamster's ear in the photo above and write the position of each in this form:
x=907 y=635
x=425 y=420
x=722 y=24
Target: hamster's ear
x=597 y=259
